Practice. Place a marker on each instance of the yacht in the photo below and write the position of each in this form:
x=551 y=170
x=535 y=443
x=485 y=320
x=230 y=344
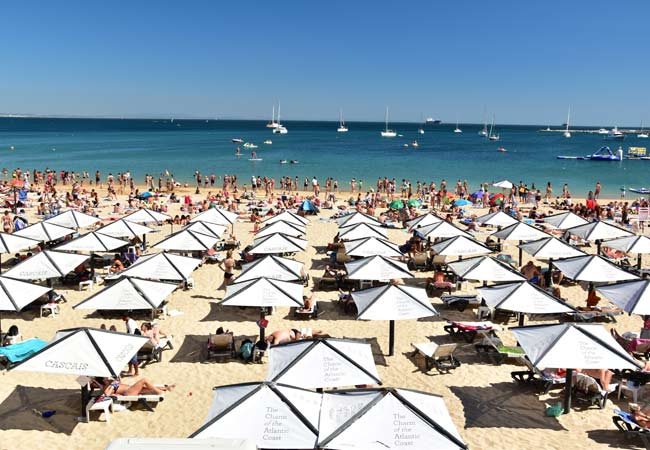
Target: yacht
x=566 y=132
x=492 y=136
x=432 y=121
x=615 y=134
x=272 y=123
x=342 y=128
x=642 y=134
x=484 y=131
x=388 y=132
x=457 y=130
x=279 y=128
x=603 y=131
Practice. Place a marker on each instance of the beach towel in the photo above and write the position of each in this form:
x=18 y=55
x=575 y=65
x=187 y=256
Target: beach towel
x=17 y=352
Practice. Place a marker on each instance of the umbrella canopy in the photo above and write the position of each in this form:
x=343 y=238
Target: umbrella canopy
x=46 y=264
x=15 y=294
x=216 y=215
x=322 y=363
x=386 y=418
x=162 y=266
x=504 y=184
x=523 y=297
x=145 y=215
x=355 y=218
x=565 y=220
x=442 y=229
x=484 y=268
x=274 y=416
x=520 y=232
x=632 y=297
x=630 y=244
x=497 y=219
x=273 y=267
x=393 y=302
x=460 y=246
x=129 y=294
x=206 y=228
x=598 y=230
x=396 y=204
x=12 y=243
x=287 y=216
x=424 y=220
x=124 y=229
x=45 y=232
x=263 y=292
x=550 y=248
x=73 y=219
x=277 y=243
x=362 y=230
x=376 y=268
x=592 y=268
x=187 y=240
x=93 y=242
x=282 y=227
x=85 y=351
x=371 y=246
x=462 y=202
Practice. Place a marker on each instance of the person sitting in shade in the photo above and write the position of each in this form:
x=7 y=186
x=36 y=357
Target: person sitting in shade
x=592 y=298
x=533 y=274
x=117 y=265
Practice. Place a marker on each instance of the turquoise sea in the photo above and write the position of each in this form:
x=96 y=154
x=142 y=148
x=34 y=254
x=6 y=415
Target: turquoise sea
x=152 y=146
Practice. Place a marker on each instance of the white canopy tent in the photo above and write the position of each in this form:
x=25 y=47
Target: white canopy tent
x=187 y=240
x=274 y=416
x=565 y=220
x=423 y=220
x=484 y=268
x=93 y=242
x=206 y=228
x=15 y=295
x=73 y=219
x=592 y=268
x=503 y=184
x=362 y=230
x=145 y=215
x=520 y=231
x=45 y=232
x=460 y=246
x=216 y=215
x=282 y=227
x=124 y=229
x=593 y=231
x=46 y=264
x=496 y=219
x=386 y=418
x=632 y=297
x=277 y=243
x=371 y=246
x=572 y=346
x=550 y=248
x=273 y=267
x=322 y=363
x=129 y=294
x=442 y=229
x=162 y=266
x=13 y=243
x=631 y=244
x=263 y=293
x=376 y=268
x=287 y=216
x=355 y=218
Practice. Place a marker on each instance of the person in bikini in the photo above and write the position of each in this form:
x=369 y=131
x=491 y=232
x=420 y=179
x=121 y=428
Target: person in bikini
x=228 y=266
x=142 y=386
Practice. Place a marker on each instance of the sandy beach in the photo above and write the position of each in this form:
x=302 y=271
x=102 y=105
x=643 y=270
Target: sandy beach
x=487 y=407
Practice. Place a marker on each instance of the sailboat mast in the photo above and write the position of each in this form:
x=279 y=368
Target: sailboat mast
x=568 y=117
x=386 y=118
x=278 y=113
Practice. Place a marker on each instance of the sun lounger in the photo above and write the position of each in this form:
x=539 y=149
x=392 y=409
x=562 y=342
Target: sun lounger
x=625 y=422
x=146 y=400
x=304 y=313
x=439 y=356
x=492 y=346
x=534 y=375
x=606 y=314
x=220 y=346
x=149 y=352
x=587 y=389
x=437 y=288
x=460 y=302
x=419 y=261
x=14 y=353
x=469 y=330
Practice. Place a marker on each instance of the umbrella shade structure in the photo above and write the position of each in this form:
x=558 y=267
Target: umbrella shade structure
x=484 y=268
x=496 y=219
x=593 y=231
x=45 y=232
x=145 y=215
x=396 y=204
x=462 y=202
x=187 y=240
x=565 y=220
x=206 y=228
x=460 y=246
x=263 y=292
x=630 y=244
x=93 y=242
x=162 y=266
x=355 y=218
x=287 y=216
x=503 y=184
x=277 y=244
x=283 y=228
x=376 y=268
x=216 y=215
x=84 y=351
x=520 y=232
x=73 y=219
x=440 y=230
x=371 y=246
x=274 y=416
x=46 y=264
x=13 y=243
x=550 y=248
x=15 y=295
x=129 y=294
x=572 y=346
x=592 y=268
x=124 y=229
x=423 y=220
x=362 y=230
x=322 y=363
x=632 y=297
x=386 y=418
x=273 y=267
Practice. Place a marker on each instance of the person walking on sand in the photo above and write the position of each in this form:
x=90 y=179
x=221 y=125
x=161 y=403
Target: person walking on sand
x=597 y=191
x=228 y=266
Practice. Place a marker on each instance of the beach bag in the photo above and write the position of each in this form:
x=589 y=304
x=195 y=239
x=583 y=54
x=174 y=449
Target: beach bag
x=555 y=410
x=246 y=350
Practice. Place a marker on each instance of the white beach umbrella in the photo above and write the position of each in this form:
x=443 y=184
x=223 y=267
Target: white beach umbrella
x=274 y=416
x=145 y=215
x=93 y=242
x=442 y=230
x=371 y=246
x=631 y=244
x=13 y=243
x=84 y=351
x=273 y=267
x=593 y=231
x=592 y=268
x=376 y=268
x=187 y=240
x=287 y=216
x=322 y=363
x=216 y=215
x=362 y=230
x=632 y=297
x=277 y=244
x=504 y=184
x=281 y=227
x=355 y=218
x=46 y=264
x=73 y=219
x=565 y=220
x=386 y=418
x=162 y=266
x=423 y=220
x=15 y=294
x=124 y=229
x=460 y=246
x=496 y=219
x=263 y=293
x=129 y=294
x=45 y=232
x=549 y=248
x=484 y=268
x=206 y=228
x=572 y=346
x=393 y=302
x=520 y=232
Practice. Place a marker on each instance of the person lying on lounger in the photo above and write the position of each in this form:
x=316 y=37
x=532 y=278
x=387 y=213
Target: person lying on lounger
x=142 y=386
x=640 y=417
x=282 y=336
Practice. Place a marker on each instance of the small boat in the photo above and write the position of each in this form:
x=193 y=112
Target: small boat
x=415 y=144
x=642 y=191
x=255 y=159
x=294 y=161
x=420 y=131
x=457 y=129
x=548 y=128
x=432 y=121
x=566 y=132
x=342 y=128
x=642 y=134
x=268 y=142
x=283 y=161
x=237 y=141
x=602 y=131
x=484 y=131
x=279 y=128
x=615 y=134
x=405 y=145
x=388 y=132
x=501 y=150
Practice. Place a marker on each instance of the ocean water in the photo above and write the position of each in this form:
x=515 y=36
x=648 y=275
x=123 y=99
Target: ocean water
x=183 y=146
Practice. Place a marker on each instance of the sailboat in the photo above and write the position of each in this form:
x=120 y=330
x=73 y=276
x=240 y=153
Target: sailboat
x=484 y=131
x=387 y=132
x=642 y=134
x=492 y=136
x=342 y=128
x=457 y=130
x=566 y=132
x=421 y=129
x=272 y=123
x=279 y=128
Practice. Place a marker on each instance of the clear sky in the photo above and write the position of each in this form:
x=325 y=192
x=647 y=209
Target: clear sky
x=526 y=62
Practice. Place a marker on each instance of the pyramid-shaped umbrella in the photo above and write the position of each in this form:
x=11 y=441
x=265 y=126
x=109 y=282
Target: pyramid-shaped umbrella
x=12 y=243
x=371 y=246
x=46 y=264
x=460 y=246
x=273 y=267
x=386 y=418
x=206 y=228
x=592 y=268
x=124 y=229
x=572 y=346
x=496 y=219
x=129 y=294
x=263 y=293
x=376 y=268
x=442 y=229
x=550 y=248
x=187 y=240
x=287 y=216
x=45 y=232
x=277 y=243
x=15 y=294
x=600 y=230
x=322 y=363
x=93 y=242
x=362 y=230
x=520 y=232
x=355 y=218
x=503 y=184
x=484 y=268
x=162 y=266
x=145 y=215
x=281 y=227
x=423 y=220
x=632 y=297
x=565 y=220
x=274 y=416
x=631 y=244
x=73 y=219
x=216 y=215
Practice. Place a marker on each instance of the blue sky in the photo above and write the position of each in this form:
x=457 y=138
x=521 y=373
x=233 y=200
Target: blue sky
x=526 y=62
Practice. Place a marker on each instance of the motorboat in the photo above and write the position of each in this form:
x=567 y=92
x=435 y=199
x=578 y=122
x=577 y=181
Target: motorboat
x=501 y=149
x=388 y=132
x=432 y=121
x=602 y=131
x=415 y=144
x=615 y=134
x=284 y=161
x=642 y=135
x=420 y=131
x=237 y=141
x=249 y=145
x=268 y=142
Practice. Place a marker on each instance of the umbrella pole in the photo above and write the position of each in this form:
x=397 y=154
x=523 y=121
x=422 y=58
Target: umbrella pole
x=521 y=319
x=144 y=242
x=567 y=391
x=262 y=315
x=391 y=338
x=15 y=201
x=598 y=243
x=521 y=255
x=638 y=261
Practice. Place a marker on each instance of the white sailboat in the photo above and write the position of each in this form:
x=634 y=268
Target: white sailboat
x=642 y=134
x=484 y=131
x=387 y=132
x=342 y=128
x=272 y=123
x=566 y=132
x=492 y=136
x=457 y=130
x=279 y=128
x=421 y=129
